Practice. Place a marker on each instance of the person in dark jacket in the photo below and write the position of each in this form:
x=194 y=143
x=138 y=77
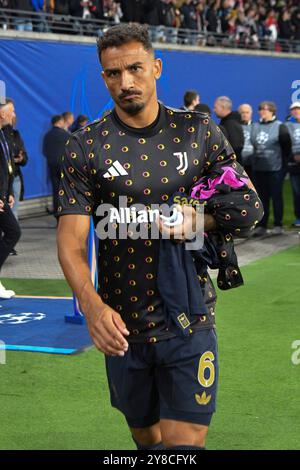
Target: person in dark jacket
x=230 y=124
x=53 y=148
x=9 y=227
x=20 y=158
x=272 y=147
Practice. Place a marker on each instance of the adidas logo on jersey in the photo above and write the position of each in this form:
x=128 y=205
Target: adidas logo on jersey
x=115 y=170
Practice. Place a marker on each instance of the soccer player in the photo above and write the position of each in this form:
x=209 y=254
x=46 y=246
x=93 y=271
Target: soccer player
x=164 y=383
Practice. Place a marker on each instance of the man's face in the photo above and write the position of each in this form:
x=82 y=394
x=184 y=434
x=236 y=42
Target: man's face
x=196 y=101
x=69 y=121
x=219 y=109
x=7 y=114
x=246 y=113
x=296 y=113
x=265 y=113
x=130 y=73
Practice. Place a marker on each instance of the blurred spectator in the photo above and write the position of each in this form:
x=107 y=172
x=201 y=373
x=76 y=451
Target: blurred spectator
x=230 y=124
x=296 y=24
x=79 y=122
x=62 y=7
x=20 y=159
x=190 y=99
x=225 y=14
x=246 y=112
x=272 y=145
x=9 y=227
x=4 y=21
x=294 y=161
x=132 y=11
x=112 y=11
x=68 y=119
x=23 y=21
x=53 y=149
x=188 y=11
x=212 y=19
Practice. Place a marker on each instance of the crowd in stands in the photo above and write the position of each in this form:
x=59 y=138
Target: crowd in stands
x=271 y=24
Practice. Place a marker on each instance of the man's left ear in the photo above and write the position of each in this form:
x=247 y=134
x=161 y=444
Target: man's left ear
x=157 y=68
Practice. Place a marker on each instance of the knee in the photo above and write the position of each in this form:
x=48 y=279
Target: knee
x=146 y=436
x=190 y=435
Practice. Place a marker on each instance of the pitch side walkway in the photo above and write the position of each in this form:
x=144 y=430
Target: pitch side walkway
x=37 y=258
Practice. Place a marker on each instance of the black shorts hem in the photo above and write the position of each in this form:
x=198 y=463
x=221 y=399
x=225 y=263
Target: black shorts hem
x=197 y=418
x=145 y=422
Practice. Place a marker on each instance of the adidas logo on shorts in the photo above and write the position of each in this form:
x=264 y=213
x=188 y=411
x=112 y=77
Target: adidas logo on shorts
x=115 y=170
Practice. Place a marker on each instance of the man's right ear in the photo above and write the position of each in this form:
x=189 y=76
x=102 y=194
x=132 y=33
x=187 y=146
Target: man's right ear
x=103 y=76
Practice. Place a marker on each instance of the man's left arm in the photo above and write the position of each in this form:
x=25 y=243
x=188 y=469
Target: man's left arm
x=235 y=205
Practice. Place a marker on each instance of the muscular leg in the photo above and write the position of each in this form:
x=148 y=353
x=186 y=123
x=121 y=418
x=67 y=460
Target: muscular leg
x=147 y=436
x=179 y=433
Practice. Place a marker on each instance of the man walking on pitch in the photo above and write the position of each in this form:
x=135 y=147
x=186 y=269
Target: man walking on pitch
x=162 y=375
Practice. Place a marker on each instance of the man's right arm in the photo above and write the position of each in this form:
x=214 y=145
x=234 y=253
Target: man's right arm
x=106 y=326
x=76 y=203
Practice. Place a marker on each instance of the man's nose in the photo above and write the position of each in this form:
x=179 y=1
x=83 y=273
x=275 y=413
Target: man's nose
x=126 y=80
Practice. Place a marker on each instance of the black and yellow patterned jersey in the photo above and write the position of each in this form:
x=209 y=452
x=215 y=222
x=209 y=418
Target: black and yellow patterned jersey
x=108 y=159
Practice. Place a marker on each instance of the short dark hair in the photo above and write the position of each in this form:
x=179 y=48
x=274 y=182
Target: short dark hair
x=203 y=108
x=121 y=34
x=66 y=114
x=55 y=119
x=189 y=97
x=82 y=118
x=5 y=101
x=268 y=104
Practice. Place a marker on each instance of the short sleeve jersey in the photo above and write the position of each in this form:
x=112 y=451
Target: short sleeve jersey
x=108 y=159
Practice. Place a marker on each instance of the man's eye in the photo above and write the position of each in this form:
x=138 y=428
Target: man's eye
x=135 y=68
x=112 y=74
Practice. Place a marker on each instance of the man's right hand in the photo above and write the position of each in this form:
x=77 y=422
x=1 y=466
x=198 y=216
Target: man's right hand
x=1 y=206
x=108 y=331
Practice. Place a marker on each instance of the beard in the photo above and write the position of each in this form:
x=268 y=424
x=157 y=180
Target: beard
x=130 y=107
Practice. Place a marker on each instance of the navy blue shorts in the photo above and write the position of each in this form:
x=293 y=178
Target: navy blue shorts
x=172 y=379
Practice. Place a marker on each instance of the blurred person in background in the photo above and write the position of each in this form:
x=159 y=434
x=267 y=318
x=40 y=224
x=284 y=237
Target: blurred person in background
x=68 y=119
x=246 y=112
x=9 y=228
x=20 y=159
x=190 y=99
x=294 y=161
x=272 y=147
x=79 y=122
x=53 y=149
x=23 y=21
x=230 y=124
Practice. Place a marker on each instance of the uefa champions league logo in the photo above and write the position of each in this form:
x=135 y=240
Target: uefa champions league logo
x=262 y=138
x=297 y=135
x=20 y=318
